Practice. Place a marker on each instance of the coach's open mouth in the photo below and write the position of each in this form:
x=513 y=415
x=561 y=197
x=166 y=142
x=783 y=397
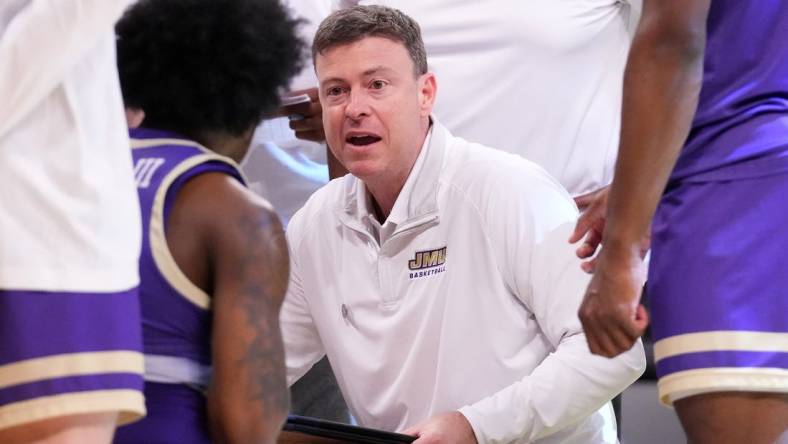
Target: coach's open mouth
x=362 y=139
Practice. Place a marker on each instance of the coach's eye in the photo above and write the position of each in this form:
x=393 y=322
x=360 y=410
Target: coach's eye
x=377 y=84
x=334 y=91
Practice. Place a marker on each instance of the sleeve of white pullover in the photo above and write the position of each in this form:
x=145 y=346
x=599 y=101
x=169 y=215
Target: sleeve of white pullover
x=541 y=268
x=41 y=43
x=303 y=346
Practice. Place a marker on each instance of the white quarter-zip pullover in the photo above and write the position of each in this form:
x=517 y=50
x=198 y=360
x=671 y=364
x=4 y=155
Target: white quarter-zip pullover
x=465 y=299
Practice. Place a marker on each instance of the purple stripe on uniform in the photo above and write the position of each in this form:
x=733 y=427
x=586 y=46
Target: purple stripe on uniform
x=70 y=384
x=716 y=359
x=34 y=324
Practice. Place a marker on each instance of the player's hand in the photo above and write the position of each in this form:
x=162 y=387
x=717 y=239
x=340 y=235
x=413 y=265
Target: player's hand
x=611 y=314
x=306 y=118
x=445 y=428
x=591 y=225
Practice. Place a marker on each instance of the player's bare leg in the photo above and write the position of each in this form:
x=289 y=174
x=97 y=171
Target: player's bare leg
x=734 y=417
x=96 y=428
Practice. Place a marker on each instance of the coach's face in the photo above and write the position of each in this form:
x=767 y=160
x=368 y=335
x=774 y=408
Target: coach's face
x=375 y=109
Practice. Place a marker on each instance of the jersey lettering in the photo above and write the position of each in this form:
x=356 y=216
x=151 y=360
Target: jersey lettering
x=144 y=170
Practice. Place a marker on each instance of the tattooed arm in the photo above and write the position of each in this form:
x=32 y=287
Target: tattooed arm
x=248 y=400
x=230 y=243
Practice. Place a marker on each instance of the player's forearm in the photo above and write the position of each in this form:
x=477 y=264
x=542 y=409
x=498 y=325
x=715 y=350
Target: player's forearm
x=566 y=387
x=249 y=399
x=238 y=428
x=42 y=43
x=251 y=405
x=661 y=87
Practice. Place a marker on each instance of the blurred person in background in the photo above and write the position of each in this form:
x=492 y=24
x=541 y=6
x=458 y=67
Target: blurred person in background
x=703 y=172
x=70 y=344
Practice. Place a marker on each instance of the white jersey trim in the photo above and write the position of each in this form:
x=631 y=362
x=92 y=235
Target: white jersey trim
x=720 y=340
x=130 y=405
x=723 y=379
x=174 y=370
x=70 y=364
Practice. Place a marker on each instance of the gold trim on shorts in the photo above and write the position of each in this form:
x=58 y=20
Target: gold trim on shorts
x=687 y=383
x=130 y=405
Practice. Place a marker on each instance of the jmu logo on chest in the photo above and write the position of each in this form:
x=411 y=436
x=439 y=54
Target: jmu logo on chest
x=428 y=259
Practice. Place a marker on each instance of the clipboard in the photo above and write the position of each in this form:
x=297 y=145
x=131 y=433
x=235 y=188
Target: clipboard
x=338 y=432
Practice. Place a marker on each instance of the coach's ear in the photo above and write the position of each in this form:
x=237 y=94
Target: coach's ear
x=134 y=117
x=428 y=90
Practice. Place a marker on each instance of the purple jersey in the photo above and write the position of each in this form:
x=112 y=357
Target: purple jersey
x=176 y=316
x=740 y=128
x=716 y=278
x=175 y=312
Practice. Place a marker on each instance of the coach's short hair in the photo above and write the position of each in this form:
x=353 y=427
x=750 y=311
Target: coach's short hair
x=206 y=65
x=353 y=24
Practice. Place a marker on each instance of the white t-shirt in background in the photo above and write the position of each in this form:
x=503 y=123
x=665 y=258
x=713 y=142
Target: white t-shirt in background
x=539 y=78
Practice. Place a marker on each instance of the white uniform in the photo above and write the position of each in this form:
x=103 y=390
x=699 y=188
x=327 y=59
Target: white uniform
x=70 y=340
x=466 y=298
x=70 y=219
x=538 y=78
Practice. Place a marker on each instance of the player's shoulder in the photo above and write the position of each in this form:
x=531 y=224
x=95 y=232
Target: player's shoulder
x=218 y=201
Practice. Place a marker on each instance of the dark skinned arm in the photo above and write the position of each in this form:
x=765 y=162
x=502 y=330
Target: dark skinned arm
x=306 y=118
x=235 y=249
x=661 y=86
x=310 y=126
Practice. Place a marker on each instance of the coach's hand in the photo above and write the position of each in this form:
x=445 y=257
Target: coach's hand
x=445 y=428
x=611 y=314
